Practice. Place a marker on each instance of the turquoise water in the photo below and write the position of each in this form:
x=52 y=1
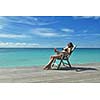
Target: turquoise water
x=40 y=56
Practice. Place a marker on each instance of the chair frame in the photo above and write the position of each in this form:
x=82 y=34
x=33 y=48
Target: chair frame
x=64 y=58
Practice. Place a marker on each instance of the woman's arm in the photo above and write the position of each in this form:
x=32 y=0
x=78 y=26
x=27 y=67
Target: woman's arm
x=55 y=50
x=66 y=50
x=69 y=50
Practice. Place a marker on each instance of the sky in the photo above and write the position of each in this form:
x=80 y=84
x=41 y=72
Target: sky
x=49 y=31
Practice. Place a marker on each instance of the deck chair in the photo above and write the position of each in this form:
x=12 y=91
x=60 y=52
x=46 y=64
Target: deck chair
x=64 y=60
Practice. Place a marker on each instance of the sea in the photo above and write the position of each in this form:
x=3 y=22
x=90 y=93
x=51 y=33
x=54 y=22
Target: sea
x=28 y=57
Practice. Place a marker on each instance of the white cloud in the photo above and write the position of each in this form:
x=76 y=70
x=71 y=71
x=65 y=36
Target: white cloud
x=67 y=30
x=12 y=36
x=94 y=17
x=84 y=31
x=30 y=20
x=20 y=19
x=44 y=32
x=86 y=17
x=92 y=34
x=49 y=32
x=47 y=23
x=97 y=17
x=1 y=26
x=18 y=44
x=96 y=34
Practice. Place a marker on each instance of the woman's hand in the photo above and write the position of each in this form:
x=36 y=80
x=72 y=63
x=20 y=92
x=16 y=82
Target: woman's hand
x=55 y=49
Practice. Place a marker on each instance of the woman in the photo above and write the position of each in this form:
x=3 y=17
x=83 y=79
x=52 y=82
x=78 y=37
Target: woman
x=66 y=50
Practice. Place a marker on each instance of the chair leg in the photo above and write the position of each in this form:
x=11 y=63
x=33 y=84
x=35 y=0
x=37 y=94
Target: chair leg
x=59 y=64
x=63 y=63
x=53 y=62
x=69 y=64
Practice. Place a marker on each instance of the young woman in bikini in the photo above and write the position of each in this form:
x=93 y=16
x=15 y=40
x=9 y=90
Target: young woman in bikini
x=66 y=50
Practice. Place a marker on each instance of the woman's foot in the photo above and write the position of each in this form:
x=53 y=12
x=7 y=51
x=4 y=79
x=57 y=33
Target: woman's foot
x=47 y=68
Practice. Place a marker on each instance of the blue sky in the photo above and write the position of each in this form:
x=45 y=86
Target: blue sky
x=49 y=31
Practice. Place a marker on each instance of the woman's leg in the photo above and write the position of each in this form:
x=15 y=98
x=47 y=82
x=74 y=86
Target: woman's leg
x=48 y=66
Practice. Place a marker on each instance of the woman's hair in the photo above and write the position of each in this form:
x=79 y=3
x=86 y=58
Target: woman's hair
x=70 y=44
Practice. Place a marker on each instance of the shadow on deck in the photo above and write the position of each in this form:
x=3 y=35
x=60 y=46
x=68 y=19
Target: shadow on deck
x=78 y=69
